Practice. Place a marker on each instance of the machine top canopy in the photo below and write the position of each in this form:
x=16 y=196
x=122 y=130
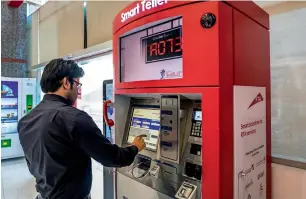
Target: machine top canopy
x=140 y=9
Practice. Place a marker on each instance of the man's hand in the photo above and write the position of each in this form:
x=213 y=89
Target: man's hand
x=139 y=142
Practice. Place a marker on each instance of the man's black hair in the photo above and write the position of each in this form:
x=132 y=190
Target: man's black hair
x=55 y=71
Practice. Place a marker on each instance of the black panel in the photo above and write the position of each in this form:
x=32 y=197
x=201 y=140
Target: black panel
x=163 y=46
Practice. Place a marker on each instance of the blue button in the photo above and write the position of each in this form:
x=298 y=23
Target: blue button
x=166 y=112
x=166 y=128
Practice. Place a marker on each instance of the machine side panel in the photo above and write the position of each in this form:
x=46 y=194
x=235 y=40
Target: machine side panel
x=251 y=48
x=252 y=68
x=253 y=11
x=211 y=135
x=249 y=142
x=226 y=99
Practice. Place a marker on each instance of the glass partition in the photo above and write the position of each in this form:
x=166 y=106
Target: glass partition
x=40 y=94
x=288 y=94
x=91 y=98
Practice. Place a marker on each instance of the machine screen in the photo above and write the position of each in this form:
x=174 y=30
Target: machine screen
x=198 y=115
x=145 y=121
x=152 y=52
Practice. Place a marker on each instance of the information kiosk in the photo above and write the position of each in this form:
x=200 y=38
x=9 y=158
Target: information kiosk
x=18 y=98
x=195 y=78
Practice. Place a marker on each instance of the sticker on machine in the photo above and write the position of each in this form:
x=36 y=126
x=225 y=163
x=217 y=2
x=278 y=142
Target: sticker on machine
x=249 y=142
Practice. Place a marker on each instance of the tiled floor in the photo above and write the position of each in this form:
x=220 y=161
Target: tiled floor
x=17 y=182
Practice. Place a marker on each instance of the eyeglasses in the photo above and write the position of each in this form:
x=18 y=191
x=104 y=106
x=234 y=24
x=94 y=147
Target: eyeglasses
x=79 y=85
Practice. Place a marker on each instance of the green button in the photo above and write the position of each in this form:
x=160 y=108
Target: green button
x=6 y=143
x=29 y=103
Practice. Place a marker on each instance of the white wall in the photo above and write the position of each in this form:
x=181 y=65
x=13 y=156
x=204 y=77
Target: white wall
x=288 y=182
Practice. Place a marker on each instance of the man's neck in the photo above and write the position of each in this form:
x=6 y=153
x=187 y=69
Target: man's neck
x=57 y=93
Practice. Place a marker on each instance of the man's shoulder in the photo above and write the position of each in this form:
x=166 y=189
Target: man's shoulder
x=60 y=109
x=72 y=111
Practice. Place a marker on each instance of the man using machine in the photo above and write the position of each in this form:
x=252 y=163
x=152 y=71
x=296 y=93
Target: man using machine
x=59 y=140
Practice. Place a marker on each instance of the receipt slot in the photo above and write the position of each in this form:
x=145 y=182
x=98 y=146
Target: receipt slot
x=187 y=74
x=186 y=191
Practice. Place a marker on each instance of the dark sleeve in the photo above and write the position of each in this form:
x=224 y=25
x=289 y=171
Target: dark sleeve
x=90 y=139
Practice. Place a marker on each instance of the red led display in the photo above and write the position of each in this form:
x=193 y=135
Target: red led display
x=163 y=46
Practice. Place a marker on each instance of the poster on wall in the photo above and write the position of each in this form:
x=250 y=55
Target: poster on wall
x=110 y=110
x=9 y=107
x=249 y=142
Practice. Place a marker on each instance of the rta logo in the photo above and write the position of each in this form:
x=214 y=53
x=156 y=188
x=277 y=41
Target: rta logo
x=162 y=74
x=257 y=99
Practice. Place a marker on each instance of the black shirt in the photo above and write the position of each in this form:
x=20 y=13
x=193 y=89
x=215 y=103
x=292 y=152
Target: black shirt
x=58 y=141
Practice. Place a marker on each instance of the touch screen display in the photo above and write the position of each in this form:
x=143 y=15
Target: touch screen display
x=145 y=121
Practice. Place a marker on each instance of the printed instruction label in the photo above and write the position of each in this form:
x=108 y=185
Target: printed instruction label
x=249 y=142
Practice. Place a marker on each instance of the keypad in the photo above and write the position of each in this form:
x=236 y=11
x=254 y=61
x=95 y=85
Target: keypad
x=196 y=129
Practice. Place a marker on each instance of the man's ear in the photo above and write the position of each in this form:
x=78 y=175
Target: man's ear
x=66 y=83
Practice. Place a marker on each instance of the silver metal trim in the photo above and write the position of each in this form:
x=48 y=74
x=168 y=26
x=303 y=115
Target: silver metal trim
x=290 y=163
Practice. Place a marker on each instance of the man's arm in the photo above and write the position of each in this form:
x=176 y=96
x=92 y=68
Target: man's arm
x=90 y=139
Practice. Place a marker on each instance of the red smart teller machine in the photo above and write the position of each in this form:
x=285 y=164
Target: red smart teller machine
x=194 y=76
